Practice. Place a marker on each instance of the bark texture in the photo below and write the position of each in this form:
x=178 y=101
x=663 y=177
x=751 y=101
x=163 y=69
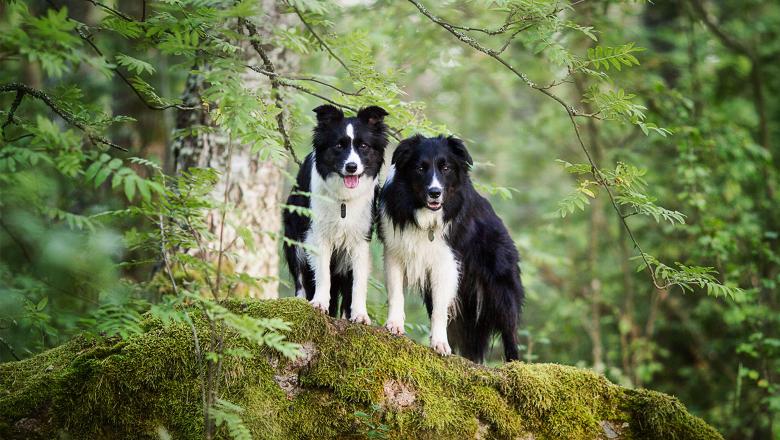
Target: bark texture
x=149 y=383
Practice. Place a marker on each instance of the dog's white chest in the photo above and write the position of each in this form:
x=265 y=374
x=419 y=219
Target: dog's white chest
x=329 y=230
x=418 y=254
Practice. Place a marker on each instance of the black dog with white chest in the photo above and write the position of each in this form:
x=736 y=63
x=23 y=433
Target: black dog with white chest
x=338 y=182
x=441 y=237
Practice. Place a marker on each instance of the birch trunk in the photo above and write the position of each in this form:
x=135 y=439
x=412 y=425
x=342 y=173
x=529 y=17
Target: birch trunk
x=255 y=185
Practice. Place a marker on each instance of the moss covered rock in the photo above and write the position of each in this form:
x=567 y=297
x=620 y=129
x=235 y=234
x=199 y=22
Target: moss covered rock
x=147 y=384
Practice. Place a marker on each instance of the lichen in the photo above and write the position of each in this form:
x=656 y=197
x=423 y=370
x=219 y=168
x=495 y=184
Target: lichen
x=110 y=388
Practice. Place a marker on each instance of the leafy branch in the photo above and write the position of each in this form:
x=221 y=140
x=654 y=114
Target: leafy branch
x=659 y=283
x=23 y=90
x=269 y=67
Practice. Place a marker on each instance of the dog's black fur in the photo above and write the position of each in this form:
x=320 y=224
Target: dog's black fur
x=490 y=293
x=331 y=149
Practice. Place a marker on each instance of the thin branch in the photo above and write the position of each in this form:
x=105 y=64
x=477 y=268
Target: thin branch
x=112 y=10
x=19 y=243
x=305 y=78
x=512 y=37
x=277 y=97
x=505 y=27
x=225 y=199
x=126 y=80
x=725 y=38
x=12 y=110
x=10 y=349
x=320 y=40
x=69 y=118
x=570 y=111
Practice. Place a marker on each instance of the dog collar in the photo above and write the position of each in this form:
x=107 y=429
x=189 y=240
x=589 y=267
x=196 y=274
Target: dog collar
x=343 y=210
x=430 y=233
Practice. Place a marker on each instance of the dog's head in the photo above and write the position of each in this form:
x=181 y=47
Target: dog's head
x=433 y=169
x=351 y=147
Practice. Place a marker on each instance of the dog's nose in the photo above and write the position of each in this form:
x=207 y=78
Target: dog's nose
x=434 y=193
x=351 y=167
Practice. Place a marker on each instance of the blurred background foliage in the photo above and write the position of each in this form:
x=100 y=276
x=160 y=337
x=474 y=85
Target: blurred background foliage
x=706 y=147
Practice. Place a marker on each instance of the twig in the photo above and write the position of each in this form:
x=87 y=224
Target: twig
x=275 y=84
x=112 y=10
x=18 y=242
x=126 y=80
x=10 y=349
x=225 y=198
x=306 y=78
x=486 y=31
x=570 y=111
x=12 y=110
x=725 y=38
x=320 y=40
x=4 y=88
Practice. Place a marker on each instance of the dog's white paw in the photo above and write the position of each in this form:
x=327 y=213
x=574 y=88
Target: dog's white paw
x=442 y=347
x=360 y=318
x=320 y=306
x=395 y=327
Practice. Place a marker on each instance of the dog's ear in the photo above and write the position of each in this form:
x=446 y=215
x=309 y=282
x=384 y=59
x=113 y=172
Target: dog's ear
x=459 y=149
x=328 y=113
x=372 y=115
x=403 y=152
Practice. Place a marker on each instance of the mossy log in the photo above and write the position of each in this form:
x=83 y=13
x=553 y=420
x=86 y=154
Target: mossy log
x=137 y=387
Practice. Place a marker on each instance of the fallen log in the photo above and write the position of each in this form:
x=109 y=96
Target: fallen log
x=352 y=381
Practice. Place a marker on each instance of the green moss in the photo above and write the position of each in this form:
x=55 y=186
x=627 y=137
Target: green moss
x=128 y=389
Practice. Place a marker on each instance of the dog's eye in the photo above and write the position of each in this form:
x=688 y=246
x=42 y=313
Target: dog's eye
x=421 y=169
x=364 y=146
x=339 y=146
x=445 y=168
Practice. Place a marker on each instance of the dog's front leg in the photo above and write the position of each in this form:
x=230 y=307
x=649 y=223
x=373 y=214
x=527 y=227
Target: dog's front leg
x=394 y=282
x=444 y=288
x=321 y=265
x=361 y=267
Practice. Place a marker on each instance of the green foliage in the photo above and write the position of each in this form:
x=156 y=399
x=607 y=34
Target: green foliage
x=229 y=414
x=681 y=142
x=603 y=57
x=374 y=428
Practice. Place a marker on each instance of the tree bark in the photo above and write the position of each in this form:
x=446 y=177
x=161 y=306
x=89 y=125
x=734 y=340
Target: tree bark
x=351 y=381
x=255 y=185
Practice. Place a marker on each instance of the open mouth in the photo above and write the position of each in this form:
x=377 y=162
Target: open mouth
x=351 y=181
x=433 y=205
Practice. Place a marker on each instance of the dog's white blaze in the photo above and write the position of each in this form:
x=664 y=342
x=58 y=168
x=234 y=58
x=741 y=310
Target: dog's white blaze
x=353 y=156
x=435 y=182
x=412 y=257
x=329 y=232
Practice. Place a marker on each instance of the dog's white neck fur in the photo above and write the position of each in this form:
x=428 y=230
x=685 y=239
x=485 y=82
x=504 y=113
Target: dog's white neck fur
x=330 y=232
x=412 y=259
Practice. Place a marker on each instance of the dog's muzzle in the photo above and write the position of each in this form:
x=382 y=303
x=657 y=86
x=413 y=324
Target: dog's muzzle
x=434 y=198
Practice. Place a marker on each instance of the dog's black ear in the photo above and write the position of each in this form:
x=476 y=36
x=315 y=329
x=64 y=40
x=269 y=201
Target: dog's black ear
x=459 y=149
x=372 y=115
x=404 y=151
x=328 y=113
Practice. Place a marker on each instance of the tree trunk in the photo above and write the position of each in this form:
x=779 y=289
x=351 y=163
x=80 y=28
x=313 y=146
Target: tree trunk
x=352 y=381
x=255 y=185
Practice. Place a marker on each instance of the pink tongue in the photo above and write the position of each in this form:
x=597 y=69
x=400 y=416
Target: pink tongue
x=351 y=181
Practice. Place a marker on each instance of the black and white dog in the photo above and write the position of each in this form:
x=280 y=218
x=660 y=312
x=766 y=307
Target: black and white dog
x=441 y=237
x=338 y=182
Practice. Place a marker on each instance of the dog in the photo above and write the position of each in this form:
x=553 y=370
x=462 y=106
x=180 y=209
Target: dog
x=443 y=238
x=338 y=182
